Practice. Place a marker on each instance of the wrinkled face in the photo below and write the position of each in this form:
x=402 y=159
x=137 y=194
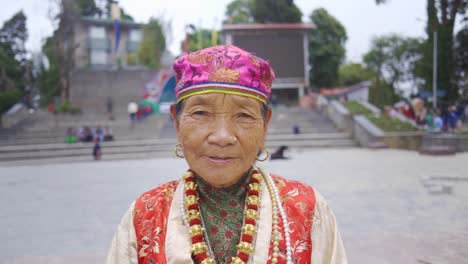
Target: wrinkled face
x=206 y=128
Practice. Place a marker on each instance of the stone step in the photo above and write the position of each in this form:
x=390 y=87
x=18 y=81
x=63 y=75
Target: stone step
x=150 y=150
x=437 y=150
x=88 y=158
x=139 y=127
x=60 y=140
x=45 y=137
x=171 y=142
x=166 y=146
x=155 y=135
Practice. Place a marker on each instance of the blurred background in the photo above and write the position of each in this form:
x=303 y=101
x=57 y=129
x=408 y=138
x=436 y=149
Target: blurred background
x=369 y=103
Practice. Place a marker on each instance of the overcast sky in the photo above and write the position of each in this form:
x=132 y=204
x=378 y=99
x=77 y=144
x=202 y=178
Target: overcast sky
x=361 y=18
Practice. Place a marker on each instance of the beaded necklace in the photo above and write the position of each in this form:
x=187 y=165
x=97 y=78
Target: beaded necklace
x=201 y=251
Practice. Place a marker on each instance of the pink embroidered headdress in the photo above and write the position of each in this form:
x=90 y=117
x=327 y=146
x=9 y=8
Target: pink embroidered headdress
x=223 y=69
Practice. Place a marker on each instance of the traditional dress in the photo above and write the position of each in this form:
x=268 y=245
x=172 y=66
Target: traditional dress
x=153 y=229
x=259 y=219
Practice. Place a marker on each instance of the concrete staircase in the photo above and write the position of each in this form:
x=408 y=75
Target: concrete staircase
x=153 y=137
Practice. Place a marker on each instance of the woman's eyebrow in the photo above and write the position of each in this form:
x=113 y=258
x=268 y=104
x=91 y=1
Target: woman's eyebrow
x=198 y=100
x=247 y=106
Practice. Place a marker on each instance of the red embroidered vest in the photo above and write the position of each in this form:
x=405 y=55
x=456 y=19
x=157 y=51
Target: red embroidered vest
x=152 y=210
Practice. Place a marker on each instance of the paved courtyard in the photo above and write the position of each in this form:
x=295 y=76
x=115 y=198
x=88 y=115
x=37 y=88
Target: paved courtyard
x=392 y=206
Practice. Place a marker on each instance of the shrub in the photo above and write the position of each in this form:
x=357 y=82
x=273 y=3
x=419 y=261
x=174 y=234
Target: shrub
x=8 y=99
x=391 y=124
x=75 y=110
x=67 y=108
x=387 y=124
x=356 y=108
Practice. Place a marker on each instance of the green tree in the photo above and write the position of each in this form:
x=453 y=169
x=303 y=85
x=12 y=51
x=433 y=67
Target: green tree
x=64 y=46
x=276 y=11
x=327 y=48
x=10 y=69
x=375 y=60
x=262 y=11
x=382 y=94
x=393 y=58
x=201 y=39
x=88 y=8
x=152 y=45
x=441 y=17
x=125 y=16
x=461 y=60
x=13 y=60
x=14 y=34
x=353 y=73
x=49 y=77
x=10 y=78
x=240 y=12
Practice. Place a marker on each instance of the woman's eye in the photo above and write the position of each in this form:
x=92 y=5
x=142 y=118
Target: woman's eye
x=244 y=115
x=200 y=113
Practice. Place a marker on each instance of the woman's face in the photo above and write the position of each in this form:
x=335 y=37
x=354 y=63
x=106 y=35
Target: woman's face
x=206 y=128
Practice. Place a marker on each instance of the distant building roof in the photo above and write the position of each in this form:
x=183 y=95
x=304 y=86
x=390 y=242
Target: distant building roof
x=108 y=21
x=305 y=26
x=337 y=91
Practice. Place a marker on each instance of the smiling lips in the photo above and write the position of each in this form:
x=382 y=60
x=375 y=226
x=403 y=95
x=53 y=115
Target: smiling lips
x=220 y=160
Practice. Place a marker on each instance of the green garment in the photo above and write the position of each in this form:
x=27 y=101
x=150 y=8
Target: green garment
x=429 y=121
x=222 y=211
x=70 y=139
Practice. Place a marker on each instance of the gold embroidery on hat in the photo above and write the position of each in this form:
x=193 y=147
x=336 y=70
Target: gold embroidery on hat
x=224 y=74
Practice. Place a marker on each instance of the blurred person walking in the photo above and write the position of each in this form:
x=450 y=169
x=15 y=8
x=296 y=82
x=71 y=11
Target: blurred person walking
x=132 y=109
x=97 y=153
x=110 y=108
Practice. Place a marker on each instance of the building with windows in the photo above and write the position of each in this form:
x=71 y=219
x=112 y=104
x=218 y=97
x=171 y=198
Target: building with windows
x=106 y=66
x=103 y=44
x=286 y=46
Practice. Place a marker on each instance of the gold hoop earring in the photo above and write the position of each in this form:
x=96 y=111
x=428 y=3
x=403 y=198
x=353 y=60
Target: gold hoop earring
x=266 y=157
x=177 y=148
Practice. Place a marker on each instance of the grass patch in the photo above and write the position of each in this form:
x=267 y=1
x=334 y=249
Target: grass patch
x=389 y=124
x=356 y=108
x=67 y=108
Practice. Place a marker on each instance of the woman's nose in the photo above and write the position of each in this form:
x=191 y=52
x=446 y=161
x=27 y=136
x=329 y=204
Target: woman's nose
x=221 y=133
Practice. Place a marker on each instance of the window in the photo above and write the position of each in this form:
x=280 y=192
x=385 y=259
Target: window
x=135 y=35
x=98 y=46
x=134 y=39
x=97 y=32
x=98 y=57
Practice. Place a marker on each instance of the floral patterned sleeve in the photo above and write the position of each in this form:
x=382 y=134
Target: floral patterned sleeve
x=327 y=246
x=123 y=249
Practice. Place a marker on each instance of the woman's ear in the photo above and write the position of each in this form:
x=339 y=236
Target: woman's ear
x=269 y=113
x=174 y=118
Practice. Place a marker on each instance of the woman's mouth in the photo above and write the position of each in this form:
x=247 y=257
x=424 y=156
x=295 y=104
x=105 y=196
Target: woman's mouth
x=220 y=160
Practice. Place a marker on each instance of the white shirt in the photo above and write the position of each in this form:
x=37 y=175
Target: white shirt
x=132 y=108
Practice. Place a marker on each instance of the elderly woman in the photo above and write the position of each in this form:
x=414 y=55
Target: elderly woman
x=225 y=209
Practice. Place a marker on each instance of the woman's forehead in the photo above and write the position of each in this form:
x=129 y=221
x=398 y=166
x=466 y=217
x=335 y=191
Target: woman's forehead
x=222 y=100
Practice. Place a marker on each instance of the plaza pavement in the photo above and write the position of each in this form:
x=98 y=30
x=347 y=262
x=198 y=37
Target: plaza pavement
x=392 y=206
